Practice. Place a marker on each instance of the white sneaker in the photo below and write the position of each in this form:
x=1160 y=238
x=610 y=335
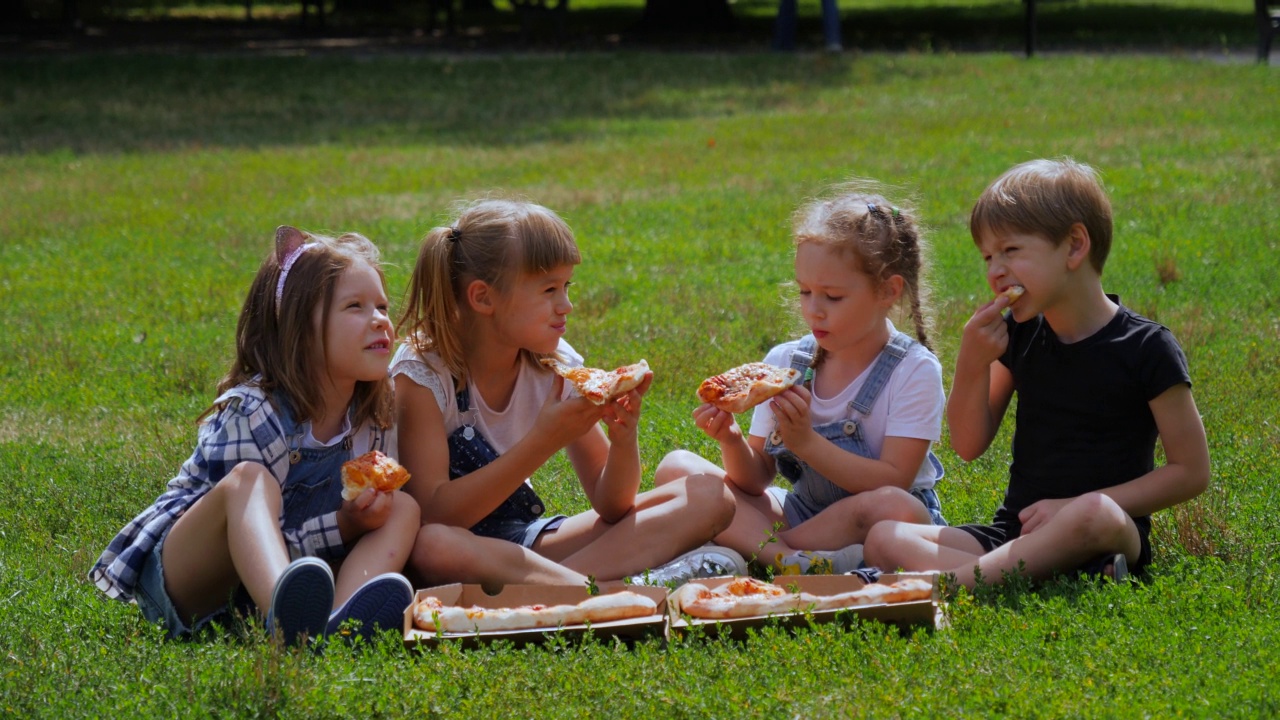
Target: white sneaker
x=703 y=562
x=820 y=562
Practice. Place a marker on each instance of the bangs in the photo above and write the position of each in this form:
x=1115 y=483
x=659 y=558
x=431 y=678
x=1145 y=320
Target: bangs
x=546 y=242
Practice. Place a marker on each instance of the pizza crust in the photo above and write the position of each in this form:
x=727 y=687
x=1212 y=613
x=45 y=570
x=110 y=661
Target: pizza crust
x=1013 y=292
x=601 y=386
x=432 y=615
x=744 y=387
x=727 y=602
x=372 y=470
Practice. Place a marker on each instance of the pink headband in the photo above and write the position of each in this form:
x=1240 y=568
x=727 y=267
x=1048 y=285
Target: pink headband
x=285 y=267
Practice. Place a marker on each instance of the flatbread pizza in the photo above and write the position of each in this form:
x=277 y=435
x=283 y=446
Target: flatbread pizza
x=372 y=470
x=601 y=386
x=432 y=615
x=738 y=599
x=744 y=387
x=1013 y=292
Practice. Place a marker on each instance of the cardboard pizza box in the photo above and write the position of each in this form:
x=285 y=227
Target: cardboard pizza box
x=926 y=613
x=517 y=595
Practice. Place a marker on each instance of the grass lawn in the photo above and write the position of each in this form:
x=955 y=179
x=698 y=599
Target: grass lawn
x=141 y=192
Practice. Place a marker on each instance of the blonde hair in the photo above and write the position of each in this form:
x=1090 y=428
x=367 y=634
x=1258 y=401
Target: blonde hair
x=276 y=344
x=880 y=238
x=1045 y=198
x=491 y=240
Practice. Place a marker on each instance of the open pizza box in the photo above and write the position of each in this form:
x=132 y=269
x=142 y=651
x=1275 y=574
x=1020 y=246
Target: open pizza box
x=926 y=613
x=518 y=595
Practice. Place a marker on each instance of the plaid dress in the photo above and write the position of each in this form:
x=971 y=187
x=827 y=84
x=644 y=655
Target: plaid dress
x=245 y=428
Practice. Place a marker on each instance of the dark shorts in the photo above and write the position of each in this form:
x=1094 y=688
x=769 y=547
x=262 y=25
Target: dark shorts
x=157 y=607
x=1006 y=527
x=521 y=532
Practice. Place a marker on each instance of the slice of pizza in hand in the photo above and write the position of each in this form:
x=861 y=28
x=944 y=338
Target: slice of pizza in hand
x=372 y=470
x=601 y=386
x=1013 y=292
x=744 y=387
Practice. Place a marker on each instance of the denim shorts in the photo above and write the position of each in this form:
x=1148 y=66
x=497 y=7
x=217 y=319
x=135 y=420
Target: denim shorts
x=525 y=533
x=796 y=511
x=156 y=606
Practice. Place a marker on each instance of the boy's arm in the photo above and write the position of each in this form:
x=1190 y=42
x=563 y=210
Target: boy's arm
x=1185 y=473
x=981 y=387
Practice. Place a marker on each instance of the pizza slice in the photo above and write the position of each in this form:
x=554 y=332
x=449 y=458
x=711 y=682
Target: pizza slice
x=601 y=386
x=1013 y=292
x=744 y=387
x=372 y=470
x=760 y=599
x=432 y=615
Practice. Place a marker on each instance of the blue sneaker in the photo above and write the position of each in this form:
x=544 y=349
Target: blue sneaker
x=301 y=600
x=376 y=606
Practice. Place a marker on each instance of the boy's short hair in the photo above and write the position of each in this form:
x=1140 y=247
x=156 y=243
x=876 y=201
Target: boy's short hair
x=1045 y=198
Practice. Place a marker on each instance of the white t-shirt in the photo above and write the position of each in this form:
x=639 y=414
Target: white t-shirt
x=502 y=428
x=911 y=404
x=361 y=442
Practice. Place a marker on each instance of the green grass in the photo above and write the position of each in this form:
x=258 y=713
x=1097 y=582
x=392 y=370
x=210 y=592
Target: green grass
x=139 y=195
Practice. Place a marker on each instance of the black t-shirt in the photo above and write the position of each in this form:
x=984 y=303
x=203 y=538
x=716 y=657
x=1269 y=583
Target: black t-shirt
x=1083 y=420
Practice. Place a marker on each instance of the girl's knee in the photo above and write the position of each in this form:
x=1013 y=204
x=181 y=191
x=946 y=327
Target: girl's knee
x=679 y=463
x=438 y=551
x=710 y=496
x=893 y=503
x=405 y=509
x=248 y=478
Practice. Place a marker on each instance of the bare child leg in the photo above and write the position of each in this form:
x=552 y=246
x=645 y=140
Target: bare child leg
x=379 y=551
x=1088 y=526
x=229 y=537
x=666 y=521
x=445 y=554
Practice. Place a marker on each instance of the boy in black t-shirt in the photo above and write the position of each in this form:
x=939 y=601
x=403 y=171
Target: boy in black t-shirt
x=1096 y=384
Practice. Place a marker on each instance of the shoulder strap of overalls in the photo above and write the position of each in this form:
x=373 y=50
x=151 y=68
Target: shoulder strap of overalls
x=802 y=356
x=463 y=398
x=889 y=357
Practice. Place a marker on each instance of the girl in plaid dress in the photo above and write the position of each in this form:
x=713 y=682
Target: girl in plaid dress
x=255 y=517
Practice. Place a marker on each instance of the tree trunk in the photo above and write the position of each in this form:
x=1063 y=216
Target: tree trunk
x=686 y=15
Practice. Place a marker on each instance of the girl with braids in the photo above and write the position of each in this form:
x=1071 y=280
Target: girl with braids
x=854 y=438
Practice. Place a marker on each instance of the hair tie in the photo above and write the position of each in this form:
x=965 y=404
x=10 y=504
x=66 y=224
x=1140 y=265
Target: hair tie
x=285 y=267
x=894 y=210
x=454 y=235
x=872 y=208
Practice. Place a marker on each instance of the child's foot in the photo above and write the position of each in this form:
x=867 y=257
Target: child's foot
x=820 y=562
x=377 y=605
x=301 y=600
x=704 y=562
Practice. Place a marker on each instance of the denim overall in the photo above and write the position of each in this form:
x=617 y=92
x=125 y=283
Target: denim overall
x=812 y=492
x=313 y=486
x=517 y=518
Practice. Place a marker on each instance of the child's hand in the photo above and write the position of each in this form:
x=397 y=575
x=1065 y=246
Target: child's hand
x=1037 y=514
x=622 y=415
x=367 y=511
x=985 y=336
x=791 y=413
x=716 y=423
x=563 y=421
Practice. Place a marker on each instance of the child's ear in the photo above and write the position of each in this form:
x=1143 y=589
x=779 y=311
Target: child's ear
x=288 y=239
x=1078 y=246
x=481 y=297
x=891 y=289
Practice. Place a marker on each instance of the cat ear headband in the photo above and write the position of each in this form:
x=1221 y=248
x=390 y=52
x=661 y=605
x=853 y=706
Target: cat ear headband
x=290 y=244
